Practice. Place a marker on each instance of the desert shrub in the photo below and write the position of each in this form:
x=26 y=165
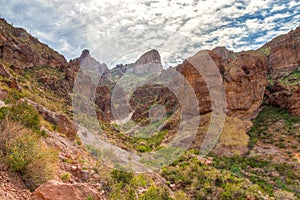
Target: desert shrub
x=142 y=149
x=122 y=177
x=25 y=153
x=65 y=176
x=155 y=193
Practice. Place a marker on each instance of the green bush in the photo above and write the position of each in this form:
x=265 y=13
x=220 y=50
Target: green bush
x=65 y=176
x=142 y=149
x=122 y=177
x=154 y=193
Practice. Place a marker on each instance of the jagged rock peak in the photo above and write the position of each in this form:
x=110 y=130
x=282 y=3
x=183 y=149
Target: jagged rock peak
x=84 y=54
x=149 y=57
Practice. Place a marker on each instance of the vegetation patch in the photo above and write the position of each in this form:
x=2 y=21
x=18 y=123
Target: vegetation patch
x=24 y=153
x=270 y=116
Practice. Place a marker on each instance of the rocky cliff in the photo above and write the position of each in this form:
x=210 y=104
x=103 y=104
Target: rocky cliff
x=284 y=53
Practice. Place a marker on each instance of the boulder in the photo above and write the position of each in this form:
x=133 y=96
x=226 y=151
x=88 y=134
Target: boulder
x=54 y=190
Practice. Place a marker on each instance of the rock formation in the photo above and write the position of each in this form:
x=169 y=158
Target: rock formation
x=87 y=64
x=245 y=80
x=149 y=57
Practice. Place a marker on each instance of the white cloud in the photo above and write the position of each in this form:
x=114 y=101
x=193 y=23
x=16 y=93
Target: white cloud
x=278 y=8
x=178 y=27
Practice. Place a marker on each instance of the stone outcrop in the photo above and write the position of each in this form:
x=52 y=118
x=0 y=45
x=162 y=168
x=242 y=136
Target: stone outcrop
x=72 y=70
x=54 y=190
x=149 y=62
x=284 y=96
x=149 y=57
x=198 y=84
x=103 y=102
x=4 y=72
x=145 y=97
x=245 y=80
x=21 y=50
x=63 y=123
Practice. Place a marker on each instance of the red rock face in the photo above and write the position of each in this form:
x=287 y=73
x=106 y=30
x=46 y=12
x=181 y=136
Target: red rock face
x=284 y=53
x=72 y=69
x=245 y=82
x=22 y=50
x=148 y=95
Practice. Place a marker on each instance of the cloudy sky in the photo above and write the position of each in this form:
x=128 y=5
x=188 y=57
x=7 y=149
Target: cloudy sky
x=119 y=31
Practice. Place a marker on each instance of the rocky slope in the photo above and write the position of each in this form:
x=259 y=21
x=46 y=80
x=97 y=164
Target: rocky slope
x=21 y=50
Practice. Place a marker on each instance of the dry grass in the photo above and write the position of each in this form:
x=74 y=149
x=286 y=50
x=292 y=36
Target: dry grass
x=26 y=154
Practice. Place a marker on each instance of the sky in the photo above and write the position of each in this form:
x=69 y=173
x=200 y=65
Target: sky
x=120 y=31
